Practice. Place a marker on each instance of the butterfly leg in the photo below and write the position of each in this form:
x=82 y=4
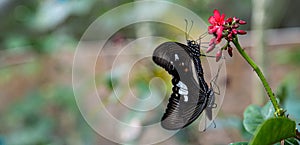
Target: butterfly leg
x=213 y=83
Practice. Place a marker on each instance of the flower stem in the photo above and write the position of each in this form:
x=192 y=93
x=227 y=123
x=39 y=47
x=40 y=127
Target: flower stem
x=278 y=111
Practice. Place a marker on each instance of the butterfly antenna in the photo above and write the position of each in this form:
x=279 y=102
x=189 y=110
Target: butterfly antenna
x=202 y=36
x=191 y=26
x=186 y=31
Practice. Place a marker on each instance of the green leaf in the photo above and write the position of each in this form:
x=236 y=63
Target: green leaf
x=255 y=115
x=252 y=118
x=274 y=130
x=291 y=141
x=268 y=110
x=239 y=143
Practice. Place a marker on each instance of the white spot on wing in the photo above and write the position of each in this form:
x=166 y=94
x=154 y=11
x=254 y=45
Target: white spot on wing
x=180 y=84
x=186 y=98
x=176 y=57
x=183 y=90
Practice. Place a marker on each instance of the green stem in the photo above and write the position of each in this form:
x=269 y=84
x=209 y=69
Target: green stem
x=278 y=111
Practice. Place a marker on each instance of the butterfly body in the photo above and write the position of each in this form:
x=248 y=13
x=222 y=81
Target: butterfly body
x=191 y=94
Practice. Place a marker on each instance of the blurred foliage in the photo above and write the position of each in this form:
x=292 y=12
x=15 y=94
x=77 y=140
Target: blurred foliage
x=38 y=23
x=44 y=116
x=284 y=56
x=47 y=24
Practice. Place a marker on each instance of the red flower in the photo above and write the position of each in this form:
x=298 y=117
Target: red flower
x=222 y=28
x=217 y=21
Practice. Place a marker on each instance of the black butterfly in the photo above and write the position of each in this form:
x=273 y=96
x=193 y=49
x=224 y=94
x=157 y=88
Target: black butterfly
x=191 y=94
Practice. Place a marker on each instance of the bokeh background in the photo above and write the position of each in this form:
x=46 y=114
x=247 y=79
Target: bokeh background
x=39 y=39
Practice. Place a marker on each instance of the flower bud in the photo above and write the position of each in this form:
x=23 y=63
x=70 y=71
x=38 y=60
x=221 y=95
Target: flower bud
x=229 y=37
x=212 y=41
x=235 y=26
x=229 y=20
x=242 y=22
x=230 y=51
x=242 y=32
x=218 y=55
x=210 y=48
x=234 y=31
x=236 y=19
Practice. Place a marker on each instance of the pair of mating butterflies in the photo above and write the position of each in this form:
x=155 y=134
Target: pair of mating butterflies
x=191 y=94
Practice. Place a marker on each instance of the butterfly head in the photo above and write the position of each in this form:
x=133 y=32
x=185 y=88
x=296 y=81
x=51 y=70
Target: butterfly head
x=195 y=46
x=192 y=43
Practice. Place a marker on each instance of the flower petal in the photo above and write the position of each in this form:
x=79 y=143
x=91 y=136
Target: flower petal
x=212 y=20
x=216 y=14
x=212 y=29
x=219 y=33
x=222 y=19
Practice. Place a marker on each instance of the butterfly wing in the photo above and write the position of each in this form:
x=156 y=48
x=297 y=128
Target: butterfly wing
x=188 y=98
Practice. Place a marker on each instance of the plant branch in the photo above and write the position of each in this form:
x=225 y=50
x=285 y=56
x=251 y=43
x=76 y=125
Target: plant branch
x=278 y=111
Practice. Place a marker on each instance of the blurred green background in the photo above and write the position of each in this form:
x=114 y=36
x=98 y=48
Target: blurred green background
x=38 y=40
